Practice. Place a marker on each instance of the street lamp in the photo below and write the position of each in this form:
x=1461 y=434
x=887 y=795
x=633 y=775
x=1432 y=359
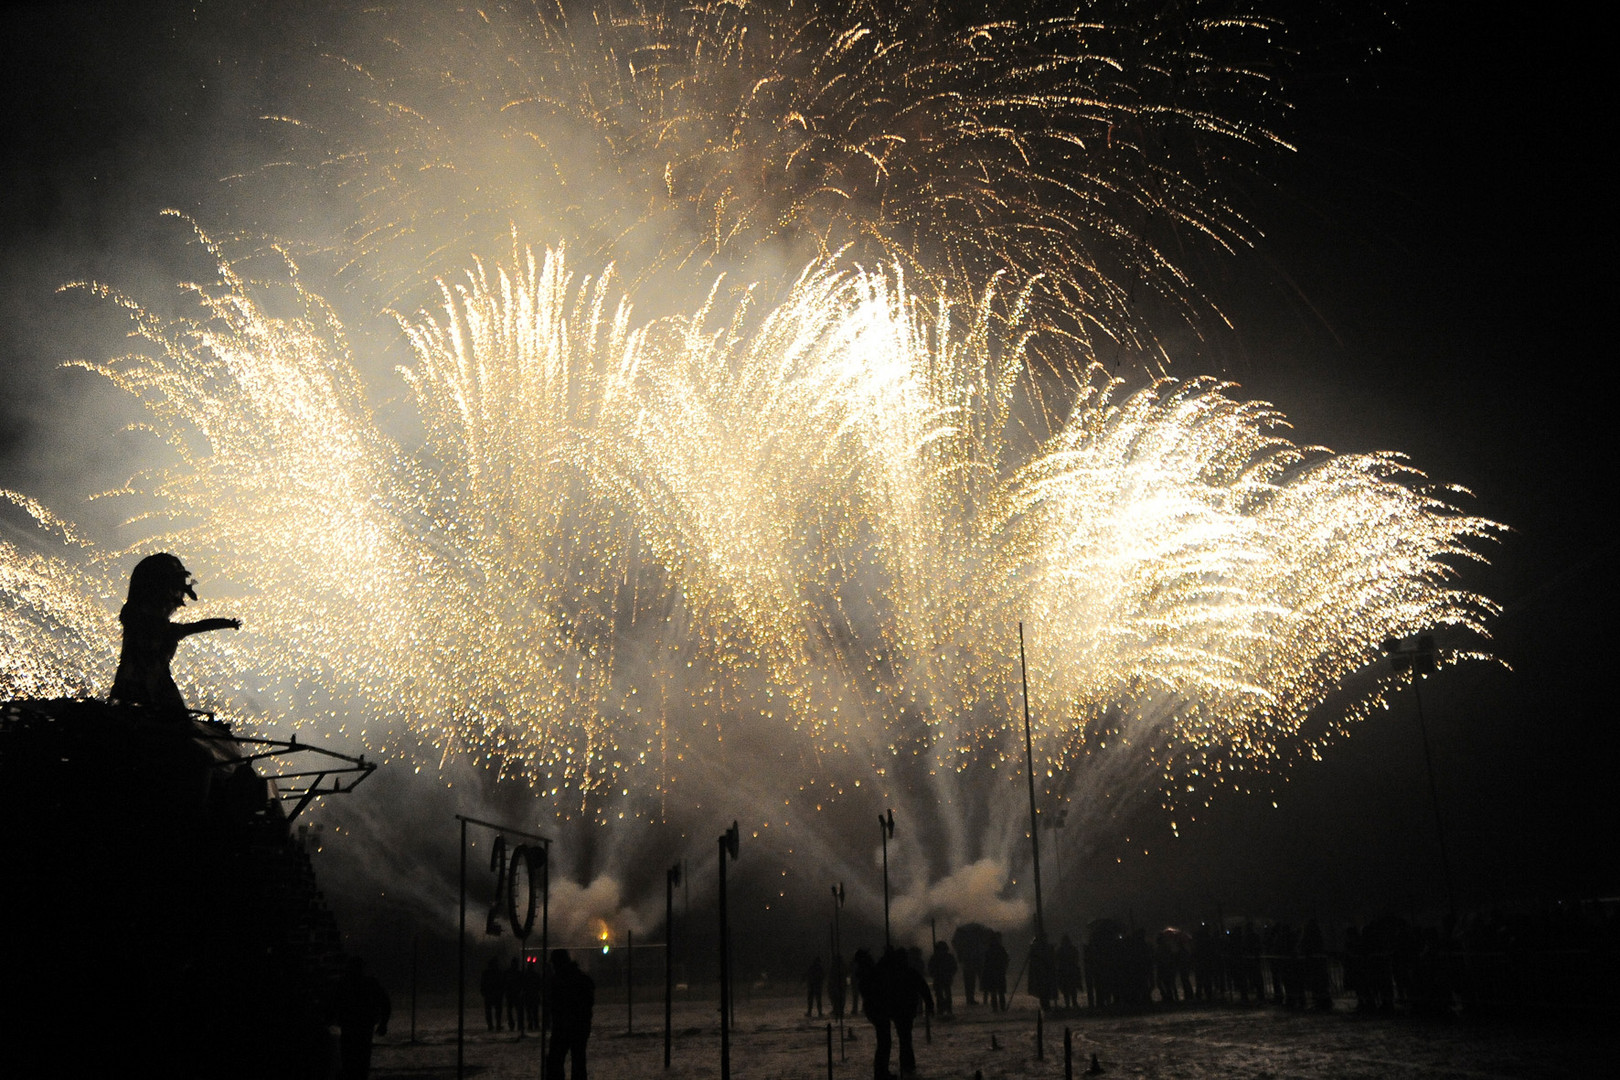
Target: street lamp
x=1418 y=656
x=886 y=828
x=1029 y=774
x=837 y=966
x=728 y=852
x=671 y=879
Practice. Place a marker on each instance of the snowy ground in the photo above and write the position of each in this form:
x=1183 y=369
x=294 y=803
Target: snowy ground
x=773 y=1041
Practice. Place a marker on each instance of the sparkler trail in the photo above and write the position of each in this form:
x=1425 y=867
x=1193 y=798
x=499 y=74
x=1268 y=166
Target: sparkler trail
x=765 y=547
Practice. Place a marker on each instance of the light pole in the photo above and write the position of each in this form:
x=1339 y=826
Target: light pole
x=728 y=851
x=837 y=966
x=1029 y=773
x=886 y=828
x=1417 y=655
x=671 y=879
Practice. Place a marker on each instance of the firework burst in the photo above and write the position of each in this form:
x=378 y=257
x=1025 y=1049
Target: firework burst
x=1088 y=153
x=635 y=558
x=655 y=548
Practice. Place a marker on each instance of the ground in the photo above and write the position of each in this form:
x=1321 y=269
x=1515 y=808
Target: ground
x=773 y=1041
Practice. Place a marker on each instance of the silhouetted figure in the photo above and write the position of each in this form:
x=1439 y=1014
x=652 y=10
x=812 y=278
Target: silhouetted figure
x=942 y=971
x=1206 y=962
x=996 y=961
x=532 y=985
x=837 y=990
x=870 y=997
x=361 y=1008
x=568 y=1010
x=1105 y=964
x=1313 y=959
x=814 y=979
x=1042 y=982
x=492 y=984
x=908 y=994
x=512 y=992
x=892 y=991
x=158 y=588
x=1068 y=971
x=970 y=942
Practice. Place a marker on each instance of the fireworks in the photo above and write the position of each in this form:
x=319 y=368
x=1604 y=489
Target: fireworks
x=799 y=534
x=1086 y=154
x=777 y=541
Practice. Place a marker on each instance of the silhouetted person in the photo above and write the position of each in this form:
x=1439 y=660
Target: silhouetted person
x=158 y=588
x=532 y=986
x=1042 y=971
x=970 y=942
x=837 y=990
x=995 y=973
x=871 y=998
x=1068 y=971
x=911 y=996
x=361 y=1008
x=512 y=991
x=568 y=1011
x=492 y=984
x=814 y=979
x=942 y=971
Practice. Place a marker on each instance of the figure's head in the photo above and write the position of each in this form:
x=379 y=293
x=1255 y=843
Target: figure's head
x=161 y=579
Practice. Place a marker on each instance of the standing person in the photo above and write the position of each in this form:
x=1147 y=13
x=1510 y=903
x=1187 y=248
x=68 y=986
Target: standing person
x=532 y=985
x=814 y=979
x=908 y=992
x=568 y=1011
x=995 y=973
x=492 y=985
x=158 y=587
x=942 y=970
x=1068 y=972
x=837 y=990
x=361 y=1007
x=870 y=991
x=512 y=990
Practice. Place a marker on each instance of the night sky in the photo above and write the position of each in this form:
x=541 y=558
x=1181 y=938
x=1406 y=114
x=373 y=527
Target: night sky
x=1434 y=277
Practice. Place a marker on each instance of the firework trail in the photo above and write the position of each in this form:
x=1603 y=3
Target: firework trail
x=1090 y=153
x=763 y=550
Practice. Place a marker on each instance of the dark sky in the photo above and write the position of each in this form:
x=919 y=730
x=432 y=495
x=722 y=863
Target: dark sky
x=1433 y=279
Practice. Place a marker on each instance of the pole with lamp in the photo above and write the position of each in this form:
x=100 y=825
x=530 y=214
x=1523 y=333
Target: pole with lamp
x=1417 y=655
x=886 y=828
x=672 y=878
x=838 y=964
x=728 y=852
x=1029 y=773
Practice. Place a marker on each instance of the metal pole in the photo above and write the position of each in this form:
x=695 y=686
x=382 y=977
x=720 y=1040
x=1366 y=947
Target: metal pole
x=728 y=846
x=838 y=963
x=1434 y=801
x=461 y=964
x=671 y=876
x=886 y=828
x=630 y=982
x=545 y=952
x=725 y=975
x=1029 y=772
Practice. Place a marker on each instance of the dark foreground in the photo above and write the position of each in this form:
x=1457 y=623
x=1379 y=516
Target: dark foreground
x=773 y=1041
